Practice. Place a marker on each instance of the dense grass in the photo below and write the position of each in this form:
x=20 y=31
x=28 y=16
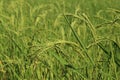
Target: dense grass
x=59 y=40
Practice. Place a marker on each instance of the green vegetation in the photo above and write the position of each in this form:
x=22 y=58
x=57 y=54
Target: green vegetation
x=59 y=40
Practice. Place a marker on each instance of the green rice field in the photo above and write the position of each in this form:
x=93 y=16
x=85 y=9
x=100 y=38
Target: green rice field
x=59 y=39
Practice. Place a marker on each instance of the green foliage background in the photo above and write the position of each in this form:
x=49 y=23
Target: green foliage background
x=59 y=40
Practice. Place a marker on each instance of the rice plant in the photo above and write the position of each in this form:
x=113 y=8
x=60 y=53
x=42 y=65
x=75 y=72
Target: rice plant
x=59 y=40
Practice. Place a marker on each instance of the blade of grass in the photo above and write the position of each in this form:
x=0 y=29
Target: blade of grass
x=79 y=41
